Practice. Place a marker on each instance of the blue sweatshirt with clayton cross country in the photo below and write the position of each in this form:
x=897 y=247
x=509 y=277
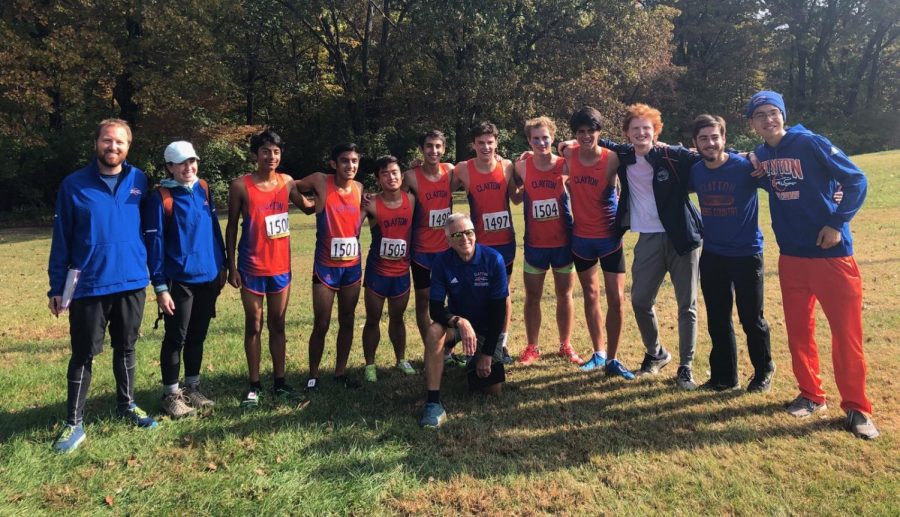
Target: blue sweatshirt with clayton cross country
x=729 y=207
x=802 y=174
x=186 y=247
x=98 y=231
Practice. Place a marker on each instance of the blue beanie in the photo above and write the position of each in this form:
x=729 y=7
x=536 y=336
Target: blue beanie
x=766 y=97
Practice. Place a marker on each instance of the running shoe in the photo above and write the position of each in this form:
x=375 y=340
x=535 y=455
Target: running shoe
x=405 y=367
x=455 y=360
x=565 y=350
x=861 y=425
x=653 y=364
x=176 y=405
x=251 y=399
x=507 y=359
x=370 y=374
x=433 y=415
x=615 y=368
x=196 y=398
x=138 y=417
x=70 y=438
x=684 y=378
x=284 y=393
x=597 y=360
x=761 y=382
x=348 y=382
x=802 y=407
x=529 y=355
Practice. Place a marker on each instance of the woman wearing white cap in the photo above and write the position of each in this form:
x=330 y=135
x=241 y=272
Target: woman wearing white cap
x=186 y=259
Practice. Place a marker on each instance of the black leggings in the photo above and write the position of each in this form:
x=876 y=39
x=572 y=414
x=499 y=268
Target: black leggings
x=88 y=318
x=195 y=305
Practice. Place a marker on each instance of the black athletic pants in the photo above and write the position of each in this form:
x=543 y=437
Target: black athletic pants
x=725 y=280
x=88 y=319
x=195 y=305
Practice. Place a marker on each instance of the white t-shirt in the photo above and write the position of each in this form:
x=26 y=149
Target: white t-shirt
x=641 y=202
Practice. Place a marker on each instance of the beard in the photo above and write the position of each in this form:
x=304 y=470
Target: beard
x=110 y=160
x=711 y=158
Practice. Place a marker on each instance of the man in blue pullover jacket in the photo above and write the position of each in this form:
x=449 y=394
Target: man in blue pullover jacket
x=97 y=238
x=803 y=170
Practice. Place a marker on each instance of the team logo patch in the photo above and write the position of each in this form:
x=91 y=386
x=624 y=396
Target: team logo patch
x=662 y=175
x=135 y=191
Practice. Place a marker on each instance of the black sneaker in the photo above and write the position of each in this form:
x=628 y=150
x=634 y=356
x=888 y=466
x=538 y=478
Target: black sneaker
x=284 y=392
x=507 y=359
x=717 y=386
x=348 y=382
x=312 y=385
x=761 y=382
x=652 y=365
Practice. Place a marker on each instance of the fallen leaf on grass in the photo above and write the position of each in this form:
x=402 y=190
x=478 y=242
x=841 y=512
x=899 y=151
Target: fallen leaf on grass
x=133 y=462
x=278 y=459
x=209 y=367
x=212 y=467
x=108 y=500
x=260 y=472
x=15 y=498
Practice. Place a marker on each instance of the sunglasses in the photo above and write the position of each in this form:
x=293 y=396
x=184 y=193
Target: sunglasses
x=465 y=233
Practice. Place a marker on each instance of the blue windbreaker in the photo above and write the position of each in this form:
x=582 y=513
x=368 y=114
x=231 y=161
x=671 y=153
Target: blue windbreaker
x=188 y=247
x=99 y=232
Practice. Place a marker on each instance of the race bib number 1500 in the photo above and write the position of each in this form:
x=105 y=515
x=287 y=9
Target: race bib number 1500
x=277 y=226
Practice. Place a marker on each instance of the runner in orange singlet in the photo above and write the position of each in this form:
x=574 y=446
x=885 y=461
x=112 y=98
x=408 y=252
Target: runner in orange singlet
x=430 y=182
x=336 y=268
x=387 y=267
x=263 y=271
x=548 y=225
x=592 y=172
x=486 y=180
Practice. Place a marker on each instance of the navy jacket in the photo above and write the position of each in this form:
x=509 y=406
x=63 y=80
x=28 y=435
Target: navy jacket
x=99 y=232
x=671 y=171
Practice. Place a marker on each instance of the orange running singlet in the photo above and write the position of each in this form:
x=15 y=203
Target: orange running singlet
x=265 y=245
x=594 y=201
x=489 y=206
x=548 y=216
x=391 y=236
x=337 y=226
x=434 y=203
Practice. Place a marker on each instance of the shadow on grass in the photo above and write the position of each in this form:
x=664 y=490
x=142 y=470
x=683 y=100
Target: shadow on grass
x=543 y=422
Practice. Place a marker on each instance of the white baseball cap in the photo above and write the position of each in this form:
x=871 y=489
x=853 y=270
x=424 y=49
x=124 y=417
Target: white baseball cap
x=180 y=151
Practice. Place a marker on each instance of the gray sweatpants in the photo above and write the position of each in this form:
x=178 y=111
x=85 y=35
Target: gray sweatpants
x=654 y=255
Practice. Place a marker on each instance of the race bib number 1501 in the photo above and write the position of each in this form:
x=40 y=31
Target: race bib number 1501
x=344 y=248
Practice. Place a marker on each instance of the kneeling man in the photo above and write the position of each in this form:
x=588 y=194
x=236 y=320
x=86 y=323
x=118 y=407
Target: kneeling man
x=469 y=289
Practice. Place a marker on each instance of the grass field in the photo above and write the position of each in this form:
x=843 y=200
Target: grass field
x=557 y=441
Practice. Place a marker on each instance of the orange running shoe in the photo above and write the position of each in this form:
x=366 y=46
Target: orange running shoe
x=529 y=355
x=565 y=350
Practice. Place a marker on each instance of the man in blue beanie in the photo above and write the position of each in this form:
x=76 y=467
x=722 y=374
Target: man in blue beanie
x=803 y=170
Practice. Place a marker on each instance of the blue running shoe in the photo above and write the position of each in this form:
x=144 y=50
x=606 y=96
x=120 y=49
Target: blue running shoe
x=433 y=415
x=615 y=368
x=138 y=417
x=69 y=439
x=596 y=361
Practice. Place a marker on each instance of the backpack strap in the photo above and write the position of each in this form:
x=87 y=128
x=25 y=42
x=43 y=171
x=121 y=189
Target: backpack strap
x=167 y=203
x=166 y=195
